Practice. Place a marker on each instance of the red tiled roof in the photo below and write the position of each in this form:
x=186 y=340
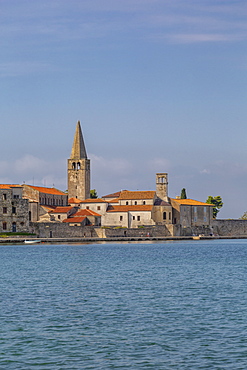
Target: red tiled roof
x=48 y=208
x=126 y=194
x=9 y=186
x=134 y=208
x=61 y=209
x=93 y=200
x=191 y=202
x=74 y=200
x=73 y=220
x=113 y=195
x=86 y=212
x=44 y=190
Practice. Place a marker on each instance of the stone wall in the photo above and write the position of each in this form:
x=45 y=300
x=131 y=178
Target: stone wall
x=230 y=227
x=63 y=230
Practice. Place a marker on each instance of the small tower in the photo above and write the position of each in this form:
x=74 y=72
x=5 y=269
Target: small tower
x=162 y=186
x=78 y=168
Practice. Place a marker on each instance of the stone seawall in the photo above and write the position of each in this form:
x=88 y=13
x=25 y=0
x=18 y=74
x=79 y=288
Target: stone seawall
x=230 y=227
x=64 y=230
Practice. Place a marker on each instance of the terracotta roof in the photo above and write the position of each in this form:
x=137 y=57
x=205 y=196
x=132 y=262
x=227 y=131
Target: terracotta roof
x=9 y=186
x=74 y=200
x=126 y=194
x=93 y=200
x=74 y=220
x=86 y=212
x=42 y=189
x=116 y=200
x=135 y=208
x=191 y=202
x=113 y=195
x=61 y=209
x=48 y=208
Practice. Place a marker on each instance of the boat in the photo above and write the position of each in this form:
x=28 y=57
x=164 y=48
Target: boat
x=32 y=241
x=196 y=237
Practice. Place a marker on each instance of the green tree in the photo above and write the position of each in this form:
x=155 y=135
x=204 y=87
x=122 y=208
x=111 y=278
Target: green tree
x=183 y=194
x=93 y=194
x=217 y=202
x=244 y=216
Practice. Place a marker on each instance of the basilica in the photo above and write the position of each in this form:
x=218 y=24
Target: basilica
x=50 y=212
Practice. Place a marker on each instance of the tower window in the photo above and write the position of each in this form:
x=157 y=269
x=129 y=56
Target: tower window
x=78 y=166
x=73 y=165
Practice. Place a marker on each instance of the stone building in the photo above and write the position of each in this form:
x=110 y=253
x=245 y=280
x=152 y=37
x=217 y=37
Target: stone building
x=14 y=209
x=123 y=209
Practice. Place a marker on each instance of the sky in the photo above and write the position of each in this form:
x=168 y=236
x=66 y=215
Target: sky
x=158 y=86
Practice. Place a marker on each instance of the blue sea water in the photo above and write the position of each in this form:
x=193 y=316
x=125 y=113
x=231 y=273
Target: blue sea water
x=171 y=305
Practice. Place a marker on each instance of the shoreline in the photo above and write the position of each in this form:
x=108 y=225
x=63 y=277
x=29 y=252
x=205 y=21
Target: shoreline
x=87 y=240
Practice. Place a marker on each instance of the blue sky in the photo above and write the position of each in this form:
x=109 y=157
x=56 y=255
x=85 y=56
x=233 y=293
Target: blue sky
x=159 y=86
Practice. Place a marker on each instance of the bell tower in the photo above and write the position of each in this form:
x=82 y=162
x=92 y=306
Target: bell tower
x=78 y=168
x=162 y=186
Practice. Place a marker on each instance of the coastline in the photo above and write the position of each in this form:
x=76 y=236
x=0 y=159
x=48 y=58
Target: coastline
x=88 y=240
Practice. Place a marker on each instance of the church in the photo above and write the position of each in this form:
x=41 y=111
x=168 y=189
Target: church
x=51 y=212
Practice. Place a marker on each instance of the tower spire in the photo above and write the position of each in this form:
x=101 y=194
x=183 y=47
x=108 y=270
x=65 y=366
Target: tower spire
x=78 y=148
x=78 y=168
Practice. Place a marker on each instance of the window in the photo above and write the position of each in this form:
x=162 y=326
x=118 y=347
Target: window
x=138 y=218
x=127 y=203
x=135 y=203
x=170 y=216
x=195 y=219
x=14 y=210
x=4 y=225
x=164 y=216
x=87 y=207
x=4 y=196
x=59 y=217
x=121 y=218
x=144 y=202
x=98 y=208
x=134 y=217
x=16 y=196
x=4 y=209
x=73 y=166
x=205 y=218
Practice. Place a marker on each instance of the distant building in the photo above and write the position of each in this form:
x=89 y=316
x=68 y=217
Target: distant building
x=21 y=205
x=14 y=209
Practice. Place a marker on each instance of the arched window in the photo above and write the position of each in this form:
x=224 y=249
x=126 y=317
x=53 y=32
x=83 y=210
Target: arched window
x=73 y=165
x=78 y=165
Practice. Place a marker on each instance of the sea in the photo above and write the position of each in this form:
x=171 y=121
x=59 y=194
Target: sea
x=150 y=305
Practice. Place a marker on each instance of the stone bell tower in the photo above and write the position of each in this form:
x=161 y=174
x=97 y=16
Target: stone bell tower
x=78 y=168
x=162 y=186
